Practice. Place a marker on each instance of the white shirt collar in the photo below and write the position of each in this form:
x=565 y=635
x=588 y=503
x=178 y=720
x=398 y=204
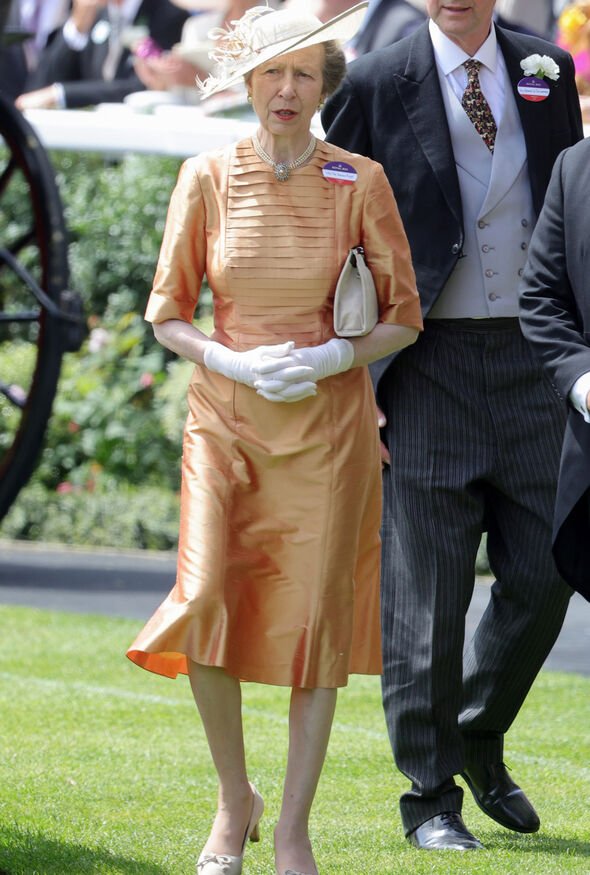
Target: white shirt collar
x=449 y=56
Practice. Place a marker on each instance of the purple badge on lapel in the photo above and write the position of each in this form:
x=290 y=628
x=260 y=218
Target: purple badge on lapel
x=339 y=172
x=534 y=89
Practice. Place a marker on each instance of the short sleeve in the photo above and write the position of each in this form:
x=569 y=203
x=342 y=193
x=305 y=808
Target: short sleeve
x=388 y=256
x=181 y=263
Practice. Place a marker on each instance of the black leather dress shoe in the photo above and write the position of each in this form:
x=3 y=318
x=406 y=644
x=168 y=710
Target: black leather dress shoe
x=500 y=798
x=444 y=832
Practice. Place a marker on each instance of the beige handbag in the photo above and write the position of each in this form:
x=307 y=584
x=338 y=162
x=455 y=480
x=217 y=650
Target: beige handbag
x=356 y=310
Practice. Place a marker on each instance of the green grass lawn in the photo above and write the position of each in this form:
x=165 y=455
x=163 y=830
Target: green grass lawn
x=105 y=769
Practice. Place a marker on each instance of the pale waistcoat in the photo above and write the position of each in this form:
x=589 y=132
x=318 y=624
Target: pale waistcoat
x=498 y=215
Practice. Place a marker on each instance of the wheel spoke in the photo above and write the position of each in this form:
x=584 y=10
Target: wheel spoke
x=6 y=175
x=22 y=316
x=33 y=247
x=19 y=244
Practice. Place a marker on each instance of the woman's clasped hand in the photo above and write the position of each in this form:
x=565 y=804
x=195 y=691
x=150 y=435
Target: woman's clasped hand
x=280 y=372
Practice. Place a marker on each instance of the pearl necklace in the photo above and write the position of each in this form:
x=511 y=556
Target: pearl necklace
x=282 y=169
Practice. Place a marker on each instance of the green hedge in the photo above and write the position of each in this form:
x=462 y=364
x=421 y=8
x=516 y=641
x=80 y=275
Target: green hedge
x=115 y=433
x=110 y=514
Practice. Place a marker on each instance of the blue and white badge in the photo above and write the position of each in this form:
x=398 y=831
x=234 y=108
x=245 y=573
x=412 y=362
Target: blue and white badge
x=533 y=88
x=339 y=172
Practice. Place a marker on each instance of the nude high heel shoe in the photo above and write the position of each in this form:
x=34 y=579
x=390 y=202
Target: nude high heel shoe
x=226 y=864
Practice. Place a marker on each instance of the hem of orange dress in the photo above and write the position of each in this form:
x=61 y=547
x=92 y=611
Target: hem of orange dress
x=171 y=668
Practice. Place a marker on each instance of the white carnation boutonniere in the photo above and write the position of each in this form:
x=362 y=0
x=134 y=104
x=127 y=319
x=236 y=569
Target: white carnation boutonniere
x=535 y=68
x=540 y=66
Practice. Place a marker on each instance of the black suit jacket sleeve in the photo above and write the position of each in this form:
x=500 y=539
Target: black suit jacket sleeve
x=58 y=63
x=92 y=92
x=555 y=316
x=555 y=289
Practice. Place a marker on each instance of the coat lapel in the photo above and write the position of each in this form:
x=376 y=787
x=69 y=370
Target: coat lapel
x=420 y=94
x=535 y=118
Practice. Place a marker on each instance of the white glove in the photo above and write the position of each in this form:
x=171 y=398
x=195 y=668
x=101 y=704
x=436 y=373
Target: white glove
x=330 y=358
x=333 y=357
x=250 y=366
x=278 y=390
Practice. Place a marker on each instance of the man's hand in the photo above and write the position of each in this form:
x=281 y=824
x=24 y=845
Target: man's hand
x=84 y=13
x=167 y=72
x=381 y=422
x=44 y=98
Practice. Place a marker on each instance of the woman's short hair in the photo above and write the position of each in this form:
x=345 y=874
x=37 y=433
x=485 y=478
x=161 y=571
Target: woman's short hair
x=334 y=66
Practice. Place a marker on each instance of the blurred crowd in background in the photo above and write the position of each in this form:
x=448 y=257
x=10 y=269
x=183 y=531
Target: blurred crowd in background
x=77 y=53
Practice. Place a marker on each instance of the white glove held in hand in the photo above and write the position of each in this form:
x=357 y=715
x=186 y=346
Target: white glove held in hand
x=250 y=366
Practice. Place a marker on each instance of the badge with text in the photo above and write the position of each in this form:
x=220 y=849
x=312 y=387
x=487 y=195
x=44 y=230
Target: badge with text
x=534 y=89
x=339 y=172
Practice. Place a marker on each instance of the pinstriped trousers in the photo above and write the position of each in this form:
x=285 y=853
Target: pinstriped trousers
x=474 y=430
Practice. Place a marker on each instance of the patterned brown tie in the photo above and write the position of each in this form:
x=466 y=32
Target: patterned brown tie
x=476 y=106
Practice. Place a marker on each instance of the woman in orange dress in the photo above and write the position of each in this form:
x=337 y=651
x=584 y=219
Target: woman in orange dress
x=279 y=551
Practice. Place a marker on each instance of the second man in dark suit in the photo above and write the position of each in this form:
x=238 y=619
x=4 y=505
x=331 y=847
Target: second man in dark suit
x=555 y=315
x=474 y=428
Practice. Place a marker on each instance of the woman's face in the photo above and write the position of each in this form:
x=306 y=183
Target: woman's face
x=286 y=91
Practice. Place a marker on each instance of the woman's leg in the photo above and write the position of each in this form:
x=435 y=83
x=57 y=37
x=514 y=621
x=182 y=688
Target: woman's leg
x=219 y=700
x=310 y=722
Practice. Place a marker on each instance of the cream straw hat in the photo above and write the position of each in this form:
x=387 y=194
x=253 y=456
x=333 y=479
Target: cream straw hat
x=263 y=33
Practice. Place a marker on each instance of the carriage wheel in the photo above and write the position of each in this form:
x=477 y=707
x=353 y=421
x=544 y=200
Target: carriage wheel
x=33 y=277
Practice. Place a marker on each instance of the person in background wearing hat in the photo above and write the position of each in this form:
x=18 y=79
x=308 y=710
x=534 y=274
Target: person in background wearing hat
x=278 y=558
x=90 y=60
x=473 y=427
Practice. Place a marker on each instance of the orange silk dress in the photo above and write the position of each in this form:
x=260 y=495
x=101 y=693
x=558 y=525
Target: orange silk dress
x=279 y=548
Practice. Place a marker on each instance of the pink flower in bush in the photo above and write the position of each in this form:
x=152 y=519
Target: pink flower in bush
x=99 y=337
x=146 y=380
x=64 y=487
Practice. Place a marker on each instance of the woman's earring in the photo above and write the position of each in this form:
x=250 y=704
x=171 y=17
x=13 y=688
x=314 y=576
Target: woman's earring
x=249 y=98
x=321 y=103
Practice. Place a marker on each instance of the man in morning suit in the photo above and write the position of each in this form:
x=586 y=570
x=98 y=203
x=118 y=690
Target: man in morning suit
x=473 y=427
x=555 y=317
